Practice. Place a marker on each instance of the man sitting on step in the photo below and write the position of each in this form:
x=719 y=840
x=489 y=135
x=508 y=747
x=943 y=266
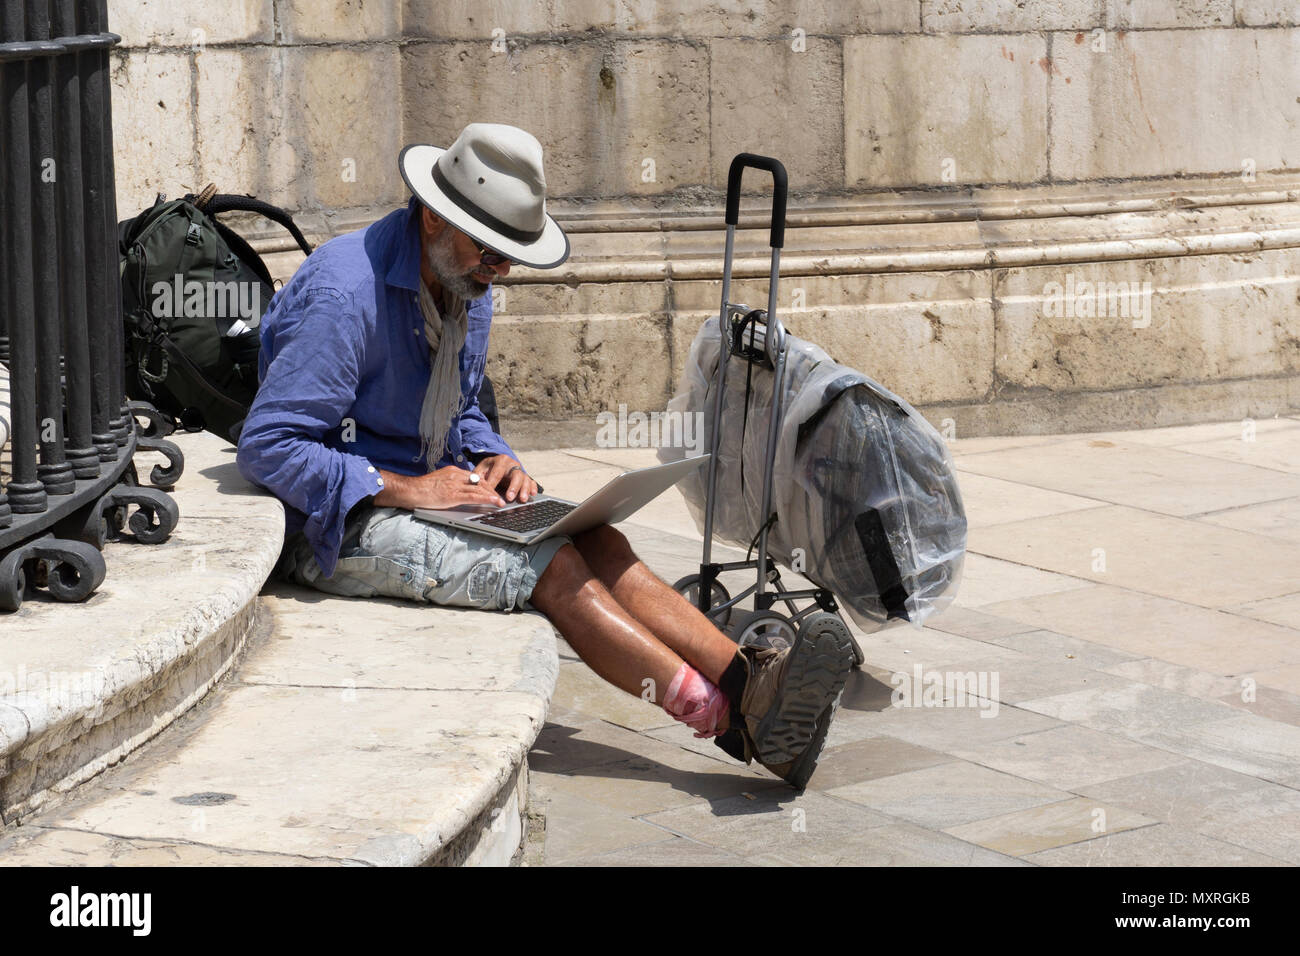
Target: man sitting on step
x=371 y=362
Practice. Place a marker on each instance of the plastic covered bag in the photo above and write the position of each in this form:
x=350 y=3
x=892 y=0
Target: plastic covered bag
x=862 y=483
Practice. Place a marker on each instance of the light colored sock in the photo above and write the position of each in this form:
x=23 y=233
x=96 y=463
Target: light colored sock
x=696 y=702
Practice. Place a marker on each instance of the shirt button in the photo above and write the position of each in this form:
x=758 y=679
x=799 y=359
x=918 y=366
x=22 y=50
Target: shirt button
x=460 y=457
x=381 y=482
x=371 y=469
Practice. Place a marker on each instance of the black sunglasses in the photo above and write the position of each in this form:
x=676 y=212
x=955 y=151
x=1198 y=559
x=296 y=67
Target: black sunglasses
x=486 y=256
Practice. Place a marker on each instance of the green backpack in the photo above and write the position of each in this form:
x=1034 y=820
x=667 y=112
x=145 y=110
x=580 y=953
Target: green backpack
x=193 y=295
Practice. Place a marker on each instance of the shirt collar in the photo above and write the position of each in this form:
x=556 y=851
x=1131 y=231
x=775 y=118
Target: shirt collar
x=405 y=270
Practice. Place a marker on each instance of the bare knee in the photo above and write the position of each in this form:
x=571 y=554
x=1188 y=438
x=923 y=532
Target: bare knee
x=565 y=574
x=605 y=543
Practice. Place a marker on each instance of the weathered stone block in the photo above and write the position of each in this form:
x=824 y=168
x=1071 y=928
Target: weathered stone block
x=764 y=93
x=153 y=128
x=1200 y=318
x=613 y=120
x=568 y=366
x=349 y=21
x=977 y=113
x=1165 y=14
x=244 y=140
x=1009 y=16
x=1261 y=13
x=347 y=154
x=190 y=23
x=926 y=336
x=1174 y=102
x=476 y=19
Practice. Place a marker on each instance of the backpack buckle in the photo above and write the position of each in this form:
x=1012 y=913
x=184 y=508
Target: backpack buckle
x=194 y=235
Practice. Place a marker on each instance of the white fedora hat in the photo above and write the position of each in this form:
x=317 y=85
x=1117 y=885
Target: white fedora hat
x=489 y=184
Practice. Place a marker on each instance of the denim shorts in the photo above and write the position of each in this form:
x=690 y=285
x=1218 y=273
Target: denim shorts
x=388 y=552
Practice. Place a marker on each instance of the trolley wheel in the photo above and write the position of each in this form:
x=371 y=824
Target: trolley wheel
x=763 y=629
x=825 y=622
x=689 y=588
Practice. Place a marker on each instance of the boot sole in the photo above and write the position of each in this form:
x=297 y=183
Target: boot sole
x=819 y=666
x=803 y=769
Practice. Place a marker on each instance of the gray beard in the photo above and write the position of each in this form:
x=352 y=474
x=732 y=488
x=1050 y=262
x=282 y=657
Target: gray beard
x=440 y=258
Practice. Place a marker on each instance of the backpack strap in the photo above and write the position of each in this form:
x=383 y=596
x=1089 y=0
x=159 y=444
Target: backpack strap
x=227 y=202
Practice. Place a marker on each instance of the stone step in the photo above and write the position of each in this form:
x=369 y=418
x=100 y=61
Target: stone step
x=83 y=685
x=351 y=732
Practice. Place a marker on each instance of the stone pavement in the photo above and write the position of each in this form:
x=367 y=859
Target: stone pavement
x=1132 y=602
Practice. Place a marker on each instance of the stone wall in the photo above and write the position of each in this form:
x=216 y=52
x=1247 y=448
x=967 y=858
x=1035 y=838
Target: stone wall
x=951 y=161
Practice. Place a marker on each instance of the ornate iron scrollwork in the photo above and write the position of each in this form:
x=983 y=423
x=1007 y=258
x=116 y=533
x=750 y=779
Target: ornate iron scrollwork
x=153 y=521
x=72 y=570
x=159 y=477
x=159 y=425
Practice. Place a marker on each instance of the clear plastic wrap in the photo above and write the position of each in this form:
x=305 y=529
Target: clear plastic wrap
x=862 y=484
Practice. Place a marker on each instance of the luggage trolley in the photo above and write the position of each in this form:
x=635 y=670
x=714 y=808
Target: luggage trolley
x=767 y=347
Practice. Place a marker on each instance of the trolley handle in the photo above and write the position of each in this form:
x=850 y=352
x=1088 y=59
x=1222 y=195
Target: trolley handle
x=779 y=183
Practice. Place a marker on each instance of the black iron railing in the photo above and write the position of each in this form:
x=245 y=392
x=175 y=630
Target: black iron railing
x=73 y=434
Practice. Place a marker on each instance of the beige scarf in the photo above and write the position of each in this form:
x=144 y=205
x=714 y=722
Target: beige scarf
x=443 y=400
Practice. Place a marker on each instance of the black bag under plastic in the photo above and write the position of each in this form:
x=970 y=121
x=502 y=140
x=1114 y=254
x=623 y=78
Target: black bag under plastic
x=864 y=489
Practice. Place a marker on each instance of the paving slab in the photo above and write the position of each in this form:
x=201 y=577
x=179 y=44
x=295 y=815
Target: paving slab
x=939 y=728
x=645 y=784
x=808 y=829
x=870 y=758
x=1014 y=681
x=1152 y=478
x=1284 y=610
x=1268 y=702
x=1127 y=547
x=1246 y=743
x=948 y=794
x=1220 y=803
x=1161 y=845
x=1285 y=678
x=1052 y=825
x=1055 y=648
x=991 y=501
x=1277 y=519
x=1176 y=435
x=1131 y=710
x=1069 y=757
x=673 y=852
x=1148 y=625
x=1175 y=677
x=988 y=580
x=579 y=828
x=1281 y=452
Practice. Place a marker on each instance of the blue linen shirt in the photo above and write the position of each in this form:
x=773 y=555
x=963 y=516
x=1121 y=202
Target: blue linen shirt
x=343 y=370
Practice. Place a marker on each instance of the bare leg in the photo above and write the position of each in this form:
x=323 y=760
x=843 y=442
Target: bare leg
x=611 y=641
x=669 y=616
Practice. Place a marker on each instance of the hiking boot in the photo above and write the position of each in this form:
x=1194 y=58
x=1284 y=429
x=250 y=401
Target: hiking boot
x=787 y=703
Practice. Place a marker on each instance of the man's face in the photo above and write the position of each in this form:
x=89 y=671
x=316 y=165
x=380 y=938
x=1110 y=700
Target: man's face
x=455 y=261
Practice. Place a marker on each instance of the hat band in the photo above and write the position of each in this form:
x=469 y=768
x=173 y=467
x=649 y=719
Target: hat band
x=481 y=214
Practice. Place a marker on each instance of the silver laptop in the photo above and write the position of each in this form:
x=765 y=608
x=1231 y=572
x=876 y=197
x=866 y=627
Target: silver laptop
x=545 y=517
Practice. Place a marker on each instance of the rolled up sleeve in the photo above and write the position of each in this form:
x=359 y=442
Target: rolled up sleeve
x=307 y=390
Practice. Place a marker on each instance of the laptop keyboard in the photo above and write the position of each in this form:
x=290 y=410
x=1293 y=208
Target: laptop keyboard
x=526 y=518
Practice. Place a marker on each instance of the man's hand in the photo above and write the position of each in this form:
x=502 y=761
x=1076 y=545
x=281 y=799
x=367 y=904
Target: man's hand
x=447 y=487
x=496 y=468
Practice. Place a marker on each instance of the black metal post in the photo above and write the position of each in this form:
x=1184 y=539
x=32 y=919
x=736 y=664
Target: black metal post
x=81 y=452
x=54 y=471
x=94 y=92
x=25 y=493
